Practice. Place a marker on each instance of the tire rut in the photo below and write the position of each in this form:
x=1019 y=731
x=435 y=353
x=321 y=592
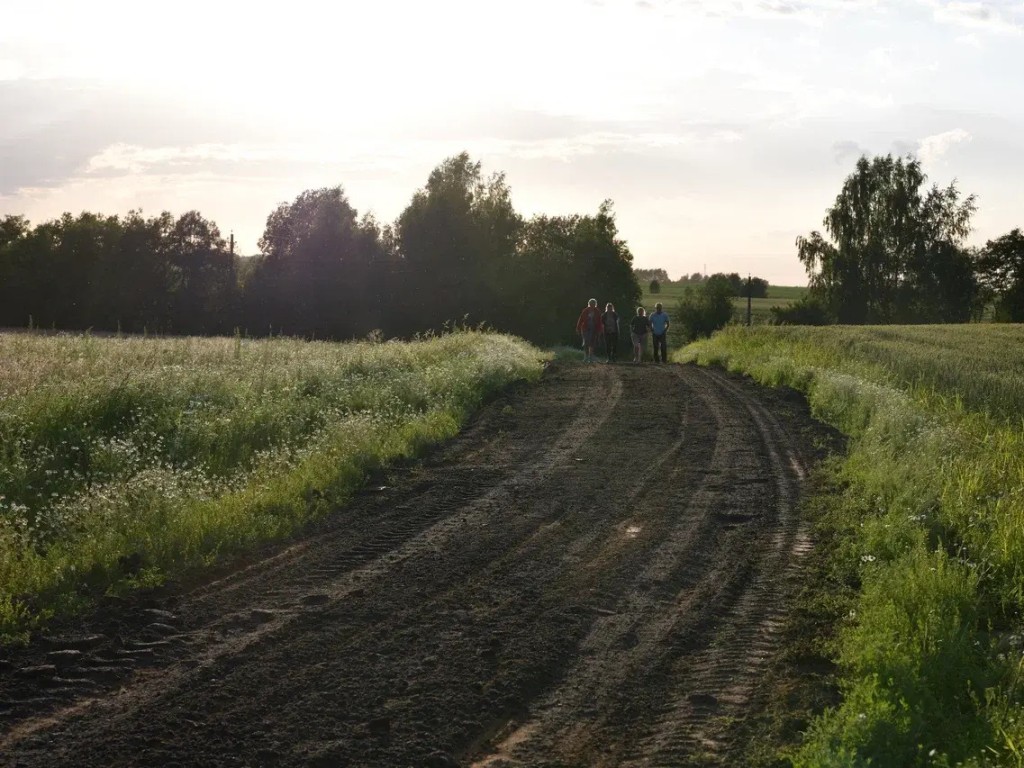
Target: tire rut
x=652 y=627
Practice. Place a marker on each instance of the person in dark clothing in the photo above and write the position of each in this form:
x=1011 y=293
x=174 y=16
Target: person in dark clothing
x=659 y=334
x=638 y=328
x=610 y=318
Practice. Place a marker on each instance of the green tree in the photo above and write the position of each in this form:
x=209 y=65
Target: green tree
x=561 y=262
x=1001 y=269
x=202 y=281
x=646 y=275
x=654 y=287
x=132 y=285
x=74 y=249
x=730 y=285
x=756 y=288
x=310 y=279
x=702 y=310
x=17 y=283
x=807 y=311
x=896 y=253
x=457 y=238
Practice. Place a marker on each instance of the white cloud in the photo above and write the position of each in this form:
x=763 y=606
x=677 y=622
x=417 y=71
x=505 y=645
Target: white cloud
x=11 y=69
x=230 y=160
x=984 y=15
x=803 y=10
x=933 y=148
x=846 y=150
x=1006 y=16
x=971 y=40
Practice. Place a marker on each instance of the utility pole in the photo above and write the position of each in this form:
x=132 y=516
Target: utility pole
x=232 y=243
x=749 y=294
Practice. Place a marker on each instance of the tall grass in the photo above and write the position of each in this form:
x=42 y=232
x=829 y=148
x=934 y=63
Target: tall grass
x=124 y=460
x=932 y=530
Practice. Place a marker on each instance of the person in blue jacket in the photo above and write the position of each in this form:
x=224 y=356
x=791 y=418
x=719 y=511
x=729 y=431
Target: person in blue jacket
x=659 y=333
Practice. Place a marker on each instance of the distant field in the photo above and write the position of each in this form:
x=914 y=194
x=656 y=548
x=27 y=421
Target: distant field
x=928 y=510
x=778 y=296
x=125 y=459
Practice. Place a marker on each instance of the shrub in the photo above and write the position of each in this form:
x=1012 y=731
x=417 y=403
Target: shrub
x=703 y=310
x=807 y=311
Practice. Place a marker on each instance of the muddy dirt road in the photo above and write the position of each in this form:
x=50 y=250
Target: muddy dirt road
x=593 y=574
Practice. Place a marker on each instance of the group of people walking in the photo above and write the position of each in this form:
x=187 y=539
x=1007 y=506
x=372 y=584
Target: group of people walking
x=594 y=325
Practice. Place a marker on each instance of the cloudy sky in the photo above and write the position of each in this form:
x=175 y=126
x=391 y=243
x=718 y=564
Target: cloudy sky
x=721 y=130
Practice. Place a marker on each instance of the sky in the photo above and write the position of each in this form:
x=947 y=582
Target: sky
x=720 y=130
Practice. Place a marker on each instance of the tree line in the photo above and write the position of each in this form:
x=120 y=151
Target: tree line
x=895 y=253
x=458 y=253
x=731 y=283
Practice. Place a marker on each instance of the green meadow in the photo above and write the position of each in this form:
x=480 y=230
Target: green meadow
x=126 y=460
x=929 y=516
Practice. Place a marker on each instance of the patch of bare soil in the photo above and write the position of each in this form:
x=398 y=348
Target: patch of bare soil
x=595 y=573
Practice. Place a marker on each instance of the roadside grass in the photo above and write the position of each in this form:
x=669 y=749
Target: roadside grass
x=929 y=533
x=125 y=460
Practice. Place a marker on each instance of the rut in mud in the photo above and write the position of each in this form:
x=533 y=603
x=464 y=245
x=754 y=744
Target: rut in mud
x=593 y=574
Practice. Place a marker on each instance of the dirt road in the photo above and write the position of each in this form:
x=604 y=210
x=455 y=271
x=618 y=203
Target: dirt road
x=593 y=574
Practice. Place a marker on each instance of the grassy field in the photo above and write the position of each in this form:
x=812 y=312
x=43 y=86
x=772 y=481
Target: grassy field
x=930 y=519
x=125 y=460
x=778 y=296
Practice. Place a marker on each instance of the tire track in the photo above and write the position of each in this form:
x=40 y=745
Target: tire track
x=712 y=688
x=620 y=646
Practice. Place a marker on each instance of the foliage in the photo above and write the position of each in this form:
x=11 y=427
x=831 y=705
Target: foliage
x=695 y=277
x=654 y=287
x=1001 y=268
x=459 y=253
x=931 y=653
x=896 y=253
x=168 y=453
x=319 y=267
x=755 y=287
x=457 y=238
x=702 y=310
x=807 y=311
x=129 y=274
x=562 y=262
x=647 y=275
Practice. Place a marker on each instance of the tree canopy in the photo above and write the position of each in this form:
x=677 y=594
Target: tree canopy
x=647 y=275
x=458 y=251
x=702 y=310
x=1001 y=270
x=896 y=251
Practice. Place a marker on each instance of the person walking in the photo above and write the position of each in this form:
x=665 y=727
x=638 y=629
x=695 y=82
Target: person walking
x=610 y=321
x=589 y=327
x=638 y=328
x=659 y=334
